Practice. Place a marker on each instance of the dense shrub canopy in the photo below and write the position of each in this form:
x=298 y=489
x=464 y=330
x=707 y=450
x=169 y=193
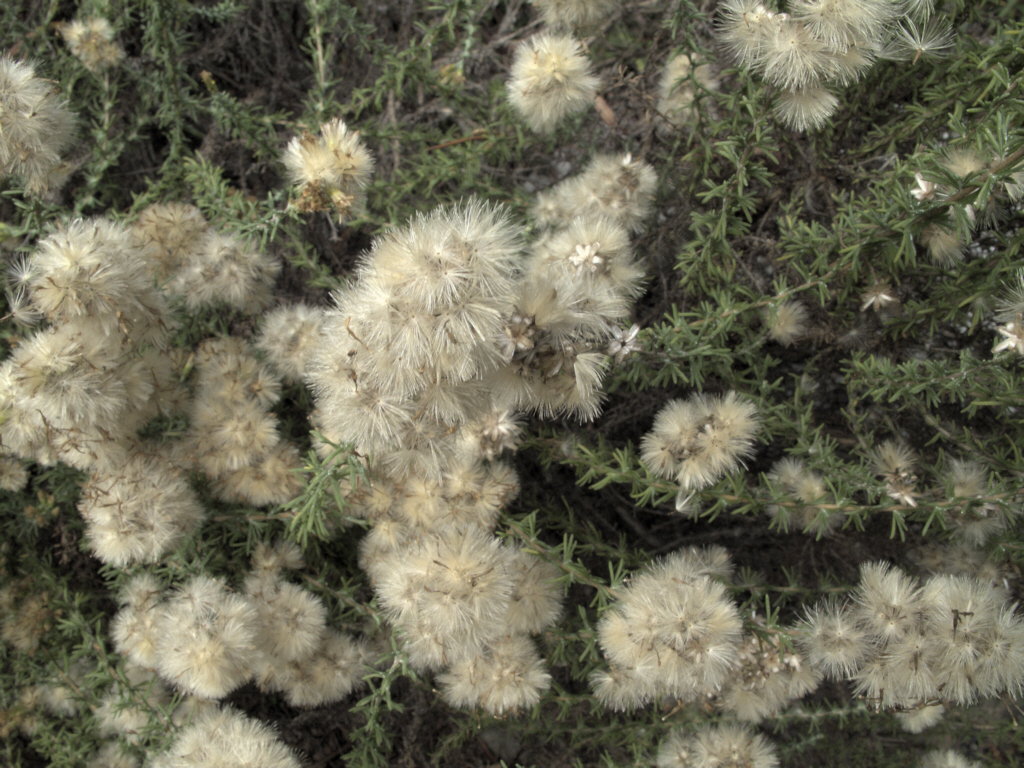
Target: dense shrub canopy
x=578 y=382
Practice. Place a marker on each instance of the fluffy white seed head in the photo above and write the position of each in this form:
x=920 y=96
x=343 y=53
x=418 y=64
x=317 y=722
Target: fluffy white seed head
x=724 y=746
x=674 y=633
x=170 y=235
x=806 y=487
x=207 y=639
x=35 y=127
x=13 y=474
x=594 y=251
x=333 y=669
x=700 y=439
x=833 y=641
x=977 y=519
x=226 y=271
x=921 y=718
x=887 y=603
x=839 y=24
x=138 y=512
x=288 y=336
x=450 y=595
x=226 y=737
x=536 y=601
x=550 y=78
x=292 y=620
x=92 y=269
x=805 y=108
x=792 y=57
x=786 y=322
x=508 y=677
x=134 y=629
x=944 y=244
x=744 y=29
x=569 y=14
x=618 y=187
x=274 y=478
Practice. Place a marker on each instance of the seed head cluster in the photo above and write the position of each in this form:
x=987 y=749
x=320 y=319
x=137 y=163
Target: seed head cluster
x=908 y=646
x=820 y=45
x=447 y=333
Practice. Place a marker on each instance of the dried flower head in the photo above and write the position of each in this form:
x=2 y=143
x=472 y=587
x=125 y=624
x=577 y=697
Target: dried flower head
x=879 y=297
x=92 y=41
x=332 y=170
x=944 y=244
x=170 y=235
x=792 y=57
x=833 y=640
x=744 y=28
x=449 y=595
x=618 y=187
x=288 y=336
x=92 y=269
x=138 y=512
x=536 y=601
x=807 y=487
x=135 y=628
x=920 y=718
x=841 y=23
x=887 y=602
x=13 y=474
x=226 y=271
x=929 y=40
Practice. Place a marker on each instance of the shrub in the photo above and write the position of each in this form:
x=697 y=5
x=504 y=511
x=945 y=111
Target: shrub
x=579 y=382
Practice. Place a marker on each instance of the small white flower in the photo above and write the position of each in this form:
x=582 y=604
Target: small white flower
x=624 y=343
x=1013 y=337
x=498 y=431
x=902 y=492
x=876 y=297
x=519 y=331
x=589 y=256
x=925 y=189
